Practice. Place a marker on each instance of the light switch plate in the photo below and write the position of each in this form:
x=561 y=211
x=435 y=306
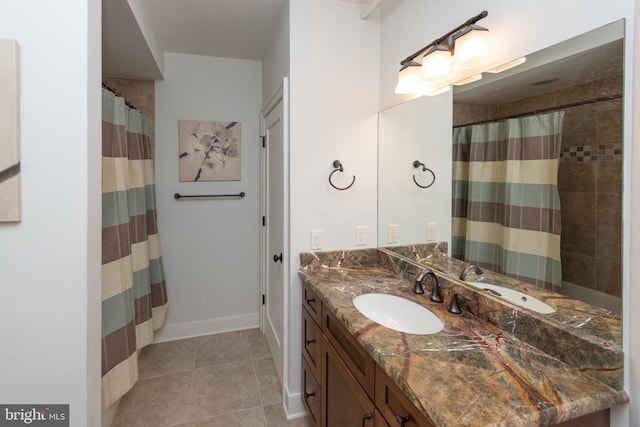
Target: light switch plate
x=316 y=239
x=431 y=231
x=392 y=233
x=361 y=235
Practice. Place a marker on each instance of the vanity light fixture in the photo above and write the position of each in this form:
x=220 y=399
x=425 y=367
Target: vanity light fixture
x=459 y=57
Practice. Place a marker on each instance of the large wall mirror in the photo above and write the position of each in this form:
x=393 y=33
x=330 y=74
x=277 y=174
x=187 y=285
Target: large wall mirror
x=583 y=78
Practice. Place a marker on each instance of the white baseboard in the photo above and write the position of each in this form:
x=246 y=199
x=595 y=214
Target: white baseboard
x=293 y=406
x=206 y=327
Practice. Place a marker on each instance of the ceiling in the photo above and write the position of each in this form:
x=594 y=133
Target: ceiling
x=136 y=33
x=222 y=28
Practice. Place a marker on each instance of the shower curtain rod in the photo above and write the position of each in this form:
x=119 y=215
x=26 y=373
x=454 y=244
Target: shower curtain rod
x=544 y=110
x=116 y=93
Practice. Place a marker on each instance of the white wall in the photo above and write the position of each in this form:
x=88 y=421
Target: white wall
x=415 y=130
x=210 y=247
x=50 y=262
x=333 y=115
x=275 y=65
x=519 y=28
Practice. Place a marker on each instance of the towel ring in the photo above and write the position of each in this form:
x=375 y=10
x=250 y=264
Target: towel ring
x=417 y=163
x=338 y=168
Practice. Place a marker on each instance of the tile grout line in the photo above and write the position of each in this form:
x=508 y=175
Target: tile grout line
x=255 y=373
x=193 y=368
x=256 y=354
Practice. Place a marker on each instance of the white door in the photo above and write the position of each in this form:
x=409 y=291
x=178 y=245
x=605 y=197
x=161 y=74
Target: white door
x=274 y=254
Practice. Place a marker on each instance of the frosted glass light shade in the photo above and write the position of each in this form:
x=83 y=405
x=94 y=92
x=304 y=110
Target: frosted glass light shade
x=473 y=49
x=409 y=80
x=437 y=66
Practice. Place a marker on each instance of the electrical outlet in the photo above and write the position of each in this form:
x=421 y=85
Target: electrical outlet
x=316 y=239
x=392 y=233
x=361 y=235
x=431 y=231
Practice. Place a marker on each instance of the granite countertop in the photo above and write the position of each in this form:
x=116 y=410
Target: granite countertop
x=581 y=335
x=469 y=374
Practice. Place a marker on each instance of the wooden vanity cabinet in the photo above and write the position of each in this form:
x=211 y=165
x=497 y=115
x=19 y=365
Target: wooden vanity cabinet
x=311 y=355
x=342 y=385
x=341 y=381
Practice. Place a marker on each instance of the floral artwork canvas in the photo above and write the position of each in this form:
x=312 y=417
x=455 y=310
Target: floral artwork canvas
x=209 y=151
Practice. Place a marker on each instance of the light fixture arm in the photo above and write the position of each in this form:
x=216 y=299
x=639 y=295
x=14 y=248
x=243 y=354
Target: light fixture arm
x=444 y=38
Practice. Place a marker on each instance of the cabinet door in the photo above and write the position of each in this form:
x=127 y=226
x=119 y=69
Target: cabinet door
x=380 y=421
x=344 y=403
x=395 y=406
x=311 y=394
x=359 y=362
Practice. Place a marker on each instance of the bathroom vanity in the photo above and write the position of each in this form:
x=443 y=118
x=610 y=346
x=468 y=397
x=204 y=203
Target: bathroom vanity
x=471 y=373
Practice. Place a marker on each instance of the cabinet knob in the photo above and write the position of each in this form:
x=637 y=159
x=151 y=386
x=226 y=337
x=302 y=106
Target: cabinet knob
x=402 y=420
x=366 y=416
x=308 y=395
x=277 y=258
x=307 y=342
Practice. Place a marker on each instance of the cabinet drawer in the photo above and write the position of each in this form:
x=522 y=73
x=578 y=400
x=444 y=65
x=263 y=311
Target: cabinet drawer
x=311 y=337
x=359 y=362
x=311 y=302
x=311 y=394
x=396 y=408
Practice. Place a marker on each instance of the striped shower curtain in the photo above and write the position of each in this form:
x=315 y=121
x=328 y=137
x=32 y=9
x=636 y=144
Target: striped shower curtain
x=134 y=299
x=506 y=206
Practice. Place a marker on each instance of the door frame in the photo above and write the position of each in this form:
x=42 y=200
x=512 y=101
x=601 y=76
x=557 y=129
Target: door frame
x=280 y=94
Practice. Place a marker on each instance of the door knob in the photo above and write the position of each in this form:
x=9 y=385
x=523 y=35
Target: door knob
x=277 y=258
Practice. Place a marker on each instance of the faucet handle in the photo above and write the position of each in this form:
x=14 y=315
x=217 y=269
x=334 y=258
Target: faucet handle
x=453 y=306
x=418 y=288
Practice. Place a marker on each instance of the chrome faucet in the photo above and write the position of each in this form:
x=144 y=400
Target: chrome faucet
x=418 y=287
x=474 y=268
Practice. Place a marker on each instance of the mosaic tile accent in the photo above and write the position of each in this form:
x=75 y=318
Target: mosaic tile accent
x=591 y=153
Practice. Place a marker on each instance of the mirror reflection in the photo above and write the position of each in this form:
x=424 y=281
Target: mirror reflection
x=561 y=202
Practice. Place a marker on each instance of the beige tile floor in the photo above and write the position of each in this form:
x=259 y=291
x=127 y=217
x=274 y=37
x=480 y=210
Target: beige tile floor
x=223 y=380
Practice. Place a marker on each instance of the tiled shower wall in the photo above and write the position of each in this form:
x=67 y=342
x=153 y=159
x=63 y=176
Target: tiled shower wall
x=140 y=93
x=589 y=178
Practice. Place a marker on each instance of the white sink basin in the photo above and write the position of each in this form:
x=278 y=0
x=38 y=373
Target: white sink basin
x=398 y=313
x=515 y=297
